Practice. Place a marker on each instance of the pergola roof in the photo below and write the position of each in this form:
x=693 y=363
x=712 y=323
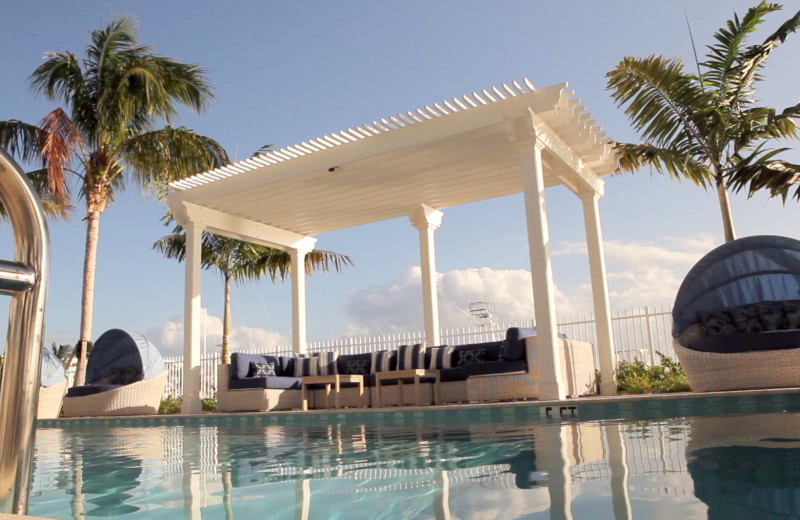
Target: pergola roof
x=451 y=153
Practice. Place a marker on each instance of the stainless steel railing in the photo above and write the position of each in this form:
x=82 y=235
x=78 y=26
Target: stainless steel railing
x=25 y=280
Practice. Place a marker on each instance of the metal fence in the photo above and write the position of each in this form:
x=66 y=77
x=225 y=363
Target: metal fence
x=639 y=333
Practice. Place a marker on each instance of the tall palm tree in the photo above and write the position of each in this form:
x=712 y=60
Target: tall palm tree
x=118 y=97
x=706 y=127
x=239 y=261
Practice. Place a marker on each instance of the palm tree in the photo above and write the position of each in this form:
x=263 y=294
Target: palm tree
x=117 y=95
x=706 y=127
x=241 y=261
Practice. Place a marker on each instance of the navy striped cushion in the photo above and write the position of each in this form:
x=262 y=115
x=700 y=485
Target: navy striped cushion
x=306 y=366
x=327 y=363
x=440 y=357
x=383 y=361
x=410 y=356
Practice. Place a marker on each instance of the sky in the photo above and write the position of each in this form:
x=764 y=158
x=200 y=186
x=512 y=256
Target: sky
x=286 y=72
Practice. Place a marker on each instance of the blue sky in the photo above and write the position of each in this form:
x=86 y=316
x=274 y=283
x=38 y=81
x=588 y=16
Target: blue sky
x=285 y=72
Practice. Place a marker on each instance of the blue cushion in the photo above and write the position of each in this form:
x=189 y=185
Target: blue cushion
x=410 y=356
x=748 y=342
x=278 y=383
x=79 y=391
x=478 y=369
x=514 y=347
x=355 y=363
x=476 y=353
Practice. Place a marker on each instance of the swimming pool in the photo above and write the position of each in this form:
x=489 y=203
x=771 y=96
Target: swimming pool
x=651 y=458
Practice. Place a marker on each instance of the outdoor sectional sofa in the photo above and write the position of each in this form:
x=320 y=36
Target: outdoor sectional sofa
x=491 y=371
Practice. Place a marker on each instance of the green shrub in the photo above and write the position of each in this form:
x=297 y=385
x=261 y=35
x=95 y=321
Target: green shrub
x=640 y=378
x=172 y=404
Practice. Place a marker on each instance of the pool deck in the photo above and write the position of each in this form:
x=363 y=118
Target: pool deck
x=590 y=408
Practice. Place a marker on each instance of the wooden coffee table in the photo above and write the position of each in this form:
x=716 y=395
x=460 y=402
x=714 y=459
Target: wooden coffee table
x=413 y=373
x=336 y=380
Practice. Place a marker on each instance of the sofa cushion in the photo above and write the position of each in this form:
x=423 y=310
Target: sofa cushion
x=410 y=356
x=772 y=315
x=262 y=369
x=273 y=382
x=80 y=391
x=479 y=369
x=383 y=361
x=748 y=342
x=747 y=318
x=792 y=310
x=240 y=364
x=327 y=363
x=440 y=357
x=717 y=323
x=514 y=347
x=355 y=364
x=306 y=366
x=476 y=353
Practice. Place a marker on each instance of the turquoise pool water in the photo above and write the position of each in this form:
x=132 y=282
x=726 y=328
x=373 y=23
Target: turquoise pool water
x=644 y=461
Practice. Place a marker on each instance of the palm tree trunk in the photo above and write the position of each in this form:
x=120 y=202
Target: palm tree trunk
x=226 y=322
x=87 y=298
x=725 y=207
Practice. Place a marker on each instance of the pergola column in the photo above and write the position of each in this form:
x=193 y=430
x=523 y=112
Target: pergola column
x=191 y=331
x=602 y=308
x=547 y=342
x=427 y=220
x=298 y=271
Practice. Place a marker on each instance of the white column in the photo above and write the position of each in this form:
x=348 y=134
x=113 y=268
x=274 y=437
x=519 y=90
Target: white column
x=427 y=220
x=602 y=308
x=298 y=300
x=547 y=342
x=618 y=464
x=555 y=446
x=192 y=320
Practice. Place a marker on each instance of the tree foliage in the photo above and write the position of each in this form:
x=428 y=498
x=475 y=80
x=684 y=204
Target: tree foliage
x=706 y=126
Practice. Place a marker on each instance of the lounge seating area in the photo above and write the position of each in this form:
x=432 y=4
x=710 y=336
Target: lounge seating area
x=409 y=375
x=737 y=316
x=125 y=375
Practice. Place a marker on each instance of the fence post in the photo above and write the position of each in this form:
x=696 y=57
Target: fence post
x=649 y=336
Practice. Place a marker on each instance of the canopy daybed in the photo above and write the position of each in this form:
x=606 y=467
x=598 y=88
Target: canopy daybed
x=736 y=319
x=125 y=376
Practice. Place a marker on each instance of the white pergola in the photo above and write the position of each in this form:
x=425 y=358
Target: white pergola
x=504 y=140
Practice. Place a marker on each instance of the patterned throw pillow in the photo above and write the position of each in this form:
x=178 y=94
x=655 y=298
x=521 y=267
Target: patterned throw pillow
x=358 y=366
x=410 y=356
x=772 y=315
x=747 y=318
x=261 y=369
x=469 y=357
x=792 y=310
x=717 y=323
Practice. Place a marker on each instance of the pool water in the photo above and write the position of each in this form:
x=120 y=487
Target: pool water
x=395 y=465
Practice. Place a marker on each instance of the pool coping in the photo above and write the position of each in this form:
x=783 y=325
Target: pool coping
x=589 y=408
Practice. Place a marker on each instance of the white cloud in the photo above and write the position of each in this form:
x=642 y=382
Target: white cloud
x=168 y=336
x=639 y=273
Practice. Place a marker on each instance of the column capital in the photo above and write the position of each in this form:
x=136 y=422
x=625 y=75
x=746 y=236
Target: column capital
x=425 y=217
x=588 y=195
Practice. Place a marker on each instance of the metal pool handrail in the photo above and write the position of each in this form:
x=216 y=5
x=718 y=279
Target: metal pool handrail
x=25 y=280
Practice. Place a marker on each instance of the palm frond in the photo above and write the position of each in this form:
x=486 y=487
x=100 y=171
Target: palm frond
x=660 y=99
x=674 y=162
x=776 y=176
x=171 y=153
x=22 y=140
x=60 y=140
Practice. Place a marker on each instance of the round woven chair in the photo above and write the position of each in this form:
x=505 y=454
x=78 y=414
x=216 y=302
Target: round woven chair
x=736 y=318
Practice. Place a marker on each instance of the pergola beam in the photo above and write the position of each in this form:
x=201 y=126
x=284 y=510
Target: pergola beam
x=240 y=228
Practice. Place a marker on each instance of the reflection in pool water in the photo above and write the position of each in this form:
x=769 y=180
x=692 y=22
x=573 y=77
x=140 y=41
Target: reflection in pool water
x=698 y=467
